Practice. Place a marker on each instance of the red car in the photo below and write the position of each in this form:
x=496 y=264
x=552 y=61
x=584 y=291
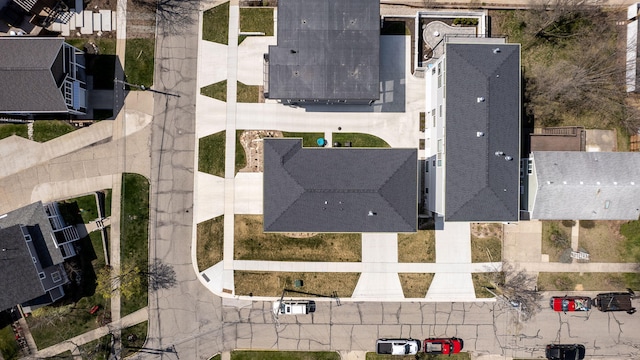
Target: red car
x=570 y=303
x=443 y=346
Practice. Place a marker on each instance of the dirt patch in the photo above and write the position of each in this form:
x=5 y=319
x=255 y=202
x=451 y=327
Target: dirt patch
x=483 y=230
x=253 y=146
x=300 y=235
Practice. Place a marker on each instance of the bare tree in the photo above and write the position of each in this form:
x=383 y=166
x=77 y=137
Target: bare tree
x=131 y=278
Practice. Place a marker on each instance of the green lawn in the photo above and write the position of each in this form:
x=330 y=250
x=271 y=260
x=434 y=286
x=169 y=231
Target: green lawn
x=284 y=355
x=215 y=24
x=308 y=138
x=415 y=285
x=53 y=324
x=248 y=93
x=257 y=283
x=418 y=247
x=556 y=238
x=45 y=130
x=7 y=130
x=134 y=234
x=216 y=91
x=241 y=156
x=8 y=345
x=256 y=20
x=98 y=349
x=583 y=282
x=211 y=150
x=105 y=46
x=210 y=242
x=138 y=63
x=486 y=249
x=85 y=206
x=137 y=334
x=360 y=140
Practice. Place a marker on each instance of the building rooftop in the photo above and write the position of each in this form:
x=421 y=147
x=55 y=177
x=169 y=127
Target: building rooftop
x=586 y=185
x=338 y=189
x=327 y=50
x=482 y=159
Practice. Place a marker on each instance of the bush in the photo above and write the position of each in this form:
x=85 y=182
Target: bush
x=560 y=239
x=465 y=21
x=587 y=224
x=568 y=223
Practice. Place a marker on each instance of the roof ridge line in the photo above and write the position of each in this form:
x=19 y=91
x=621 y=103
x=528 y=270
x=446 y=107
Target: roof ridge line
x=385 y=182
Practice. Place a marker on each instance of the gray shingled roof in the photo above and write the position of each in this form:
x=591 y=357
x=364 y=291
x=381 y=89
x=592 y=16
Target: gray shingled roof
x=26 y=74
x=34 y=216
x=587 y=185
x=326 y=50
x=481 y=186
x=19 y=280
x=333 y=190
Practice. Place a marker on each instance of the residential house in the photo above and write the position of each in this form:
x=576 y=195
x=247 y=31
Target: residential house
x=41 y=75
x=327 y=52
x=473 y=131
x=339 y=189
x=34 y=242
x=583 y=185
x=45 y=12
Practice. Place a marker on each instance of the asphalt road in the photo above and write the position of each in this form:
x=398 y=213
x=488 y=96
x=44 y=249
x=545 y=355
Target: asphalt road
x=188 y=322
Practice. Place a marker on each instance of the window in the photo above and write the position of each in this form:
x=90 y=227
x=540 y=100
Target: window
x=530 y=167
x=55 y=276
x=42 y=275
x=439 y=75
x=440 y=110
x=433 y=114
x=34 y=259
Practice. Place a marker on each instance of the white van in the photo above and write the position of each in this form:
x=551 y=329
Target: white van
x=294 y=307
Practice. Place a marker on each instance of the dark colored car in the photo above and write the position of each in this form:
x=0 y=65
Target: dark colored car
x=445 y=346
x=615 y=301
x=570 y=303
x=565 y=352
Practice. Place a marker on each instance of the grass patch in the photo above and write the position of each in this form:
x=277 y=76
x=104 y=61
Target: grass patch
x=480 y=281
x=8 y=346
x=216 y=91
x=612 y=250
x=86 y=208
x=215 y=24
x=360 y=140
x=216 y=357
x=251 y=243
x=419 y=247
x=210 y=242
x=556 y=238
x=258 y=283
x=248 y=93
x=98 y=349
x=45 y=130
x=138 y=63
x=486 y=249
x=284 y=355
x=53 y=324
x=415 y=285
x=241 y=156
x=133 y=338
x=421 y=355
x=134 y=235
x=308 y=138
x=211 y=150
x=256 y=20
x=7 y=130
x=582 y=282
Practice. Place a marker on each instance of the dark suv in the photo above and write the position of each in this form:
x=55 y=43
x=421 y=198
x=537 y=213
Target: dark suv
x=565 y=351
x=615 y=301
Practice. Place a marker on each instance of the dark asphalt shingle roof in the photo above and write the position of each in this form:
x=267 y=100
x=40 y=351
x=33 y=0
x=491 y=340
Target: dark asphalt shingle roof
x=19 y=281
x=481 y=186
x=28 y=84
x=326 y=50
x=333 y=190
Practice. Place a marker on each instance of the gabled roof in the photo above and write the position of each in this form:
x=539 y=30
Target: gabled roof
x=339 y=189
x=34 y=216
x=587 y=185
x=326 y=49
x=482 y=118
x=19 y=280
x=28 y=70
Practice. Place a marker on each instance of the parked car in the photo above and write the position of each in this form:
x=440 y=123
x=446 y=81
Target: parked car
x=565 y=352
x=397 y=346
x=294 y=307
x=443 y=346
x=615 y=301
x=570 y=303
